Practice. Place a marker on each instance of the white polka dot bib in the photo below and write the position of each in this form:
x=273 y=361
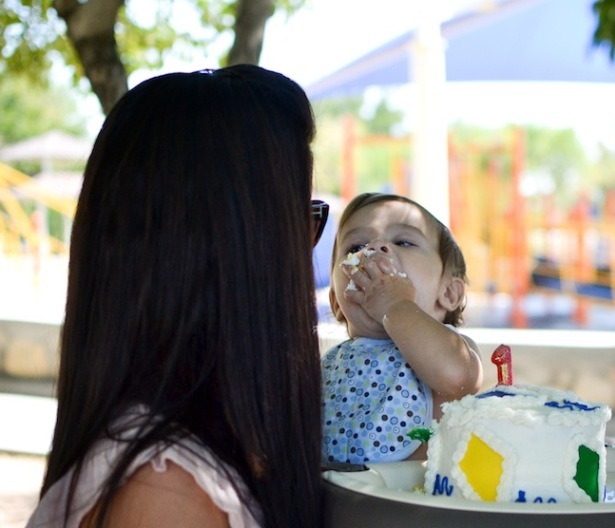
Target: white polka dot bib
x=371 y=400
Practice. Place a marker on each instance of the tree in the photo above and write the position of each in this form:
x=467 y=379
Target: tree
x=559 y=155
x=604 y=34
x=28 y=110
x=104 y=42
x=602 y=172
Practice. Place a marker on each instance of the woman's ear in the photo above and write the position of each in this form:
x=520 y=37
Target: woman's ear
x=335 y=306
x=453 y=294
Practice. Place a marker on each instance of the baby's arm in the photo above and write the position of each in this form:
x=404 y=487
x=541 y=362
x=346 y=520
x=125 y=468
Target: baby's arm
x=449 y=364
x=446 y=361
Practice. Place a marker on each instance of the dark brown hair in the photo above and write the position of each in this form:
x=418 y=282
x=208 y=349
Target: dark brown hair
x=179 y=297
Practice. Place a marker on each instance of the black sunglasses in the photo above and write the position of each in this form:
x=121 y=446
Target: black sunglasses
x=320 y=213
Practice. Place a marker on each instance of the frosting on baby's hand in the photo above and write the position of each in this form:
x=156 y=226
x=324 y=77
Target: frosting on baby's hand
x=351 y=286
x=353 y=261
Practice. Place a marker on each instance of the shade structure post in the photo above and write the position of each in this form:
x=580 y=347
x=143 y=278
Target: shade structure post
x=429 y=184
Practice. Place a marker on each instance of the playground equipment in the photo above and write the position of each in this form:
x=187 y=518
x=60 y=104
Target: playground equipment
x=22 y=231
x=578 y=252
x=354 y=142
x=569 y=251
x=509 y=247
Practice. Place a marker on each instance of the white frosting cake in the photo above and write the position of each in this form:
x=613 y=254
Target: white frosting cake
x=517 y=443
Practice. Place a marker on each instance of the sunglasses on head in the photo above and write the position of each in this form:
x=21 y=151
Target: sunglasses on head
x=320 y=213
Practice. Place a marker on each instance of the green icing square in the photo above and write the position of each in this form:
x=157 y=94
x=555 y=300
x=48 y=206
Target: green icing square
x=586 y=476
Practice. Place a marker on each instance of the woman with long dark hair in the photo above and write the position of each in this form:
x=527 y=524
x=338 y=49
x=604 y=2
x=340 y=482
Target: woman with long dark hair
x=188 y=392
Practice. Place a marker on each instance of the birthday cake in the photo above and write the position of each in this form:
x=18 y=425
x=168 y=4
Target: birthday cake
x=519 y=443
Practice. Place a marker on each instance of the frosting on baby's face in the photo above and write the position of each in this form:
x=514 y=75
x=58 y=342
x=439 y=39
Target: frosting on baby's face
x=353 y=261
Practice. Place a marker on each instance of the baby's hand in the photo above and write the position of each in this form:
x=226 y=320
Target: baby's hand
x=375 y=282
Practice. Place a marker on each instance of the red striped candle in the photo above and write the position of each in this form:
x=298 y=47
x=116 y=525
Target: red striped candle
x=502 y=358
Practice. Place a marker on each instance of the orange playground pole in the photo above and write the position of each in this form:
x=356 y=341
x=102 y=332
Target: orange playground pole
x=349 y=177
x=583 y=267
x=519 y=235
x=454 y=195
x=609 y=218
x=400 y=181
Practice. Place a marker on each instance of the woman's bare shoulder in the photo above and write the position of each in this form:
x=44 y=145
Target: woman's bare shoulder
x=170 y=498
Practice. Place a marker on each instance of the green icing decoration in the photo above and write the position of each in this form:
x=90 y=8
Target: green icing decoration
x=423 y=434
x=586 y=476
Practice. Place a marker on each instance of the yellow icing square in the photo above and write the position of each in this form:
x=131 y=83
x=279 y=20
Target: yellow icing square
x=482 y=467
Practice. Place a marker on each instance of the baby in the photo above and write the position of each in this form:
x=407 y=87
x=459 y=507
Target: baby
x=398 y=283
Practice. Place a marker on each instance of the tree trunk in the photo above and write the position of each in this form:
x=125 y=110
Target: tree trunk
x=250 y=19
x=90 y=28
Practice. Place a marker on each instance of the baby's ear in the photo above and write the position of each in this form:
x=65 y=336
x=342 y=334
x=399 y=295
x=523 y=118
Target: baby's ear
x=335 y=307
x=453 y=294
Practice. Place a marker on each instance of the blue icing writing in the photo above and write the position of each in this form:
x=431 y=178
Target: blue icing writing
x=571 y=405
x=522 y=498
x=442 y=487
x=538 y=500
x=496 y=393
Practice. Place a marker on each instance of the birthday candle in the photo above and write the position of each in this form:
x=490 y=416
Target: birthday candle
x=502 y=358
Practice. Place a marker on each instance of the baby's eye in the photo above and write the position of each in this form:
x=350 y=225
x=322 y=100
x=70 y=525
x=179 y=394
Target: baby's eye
x=355 y=248
x=405 y=243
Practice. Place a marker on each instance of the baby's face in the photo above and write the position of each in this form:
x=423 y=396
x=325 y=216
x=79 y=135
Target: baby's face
x=396 y=231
